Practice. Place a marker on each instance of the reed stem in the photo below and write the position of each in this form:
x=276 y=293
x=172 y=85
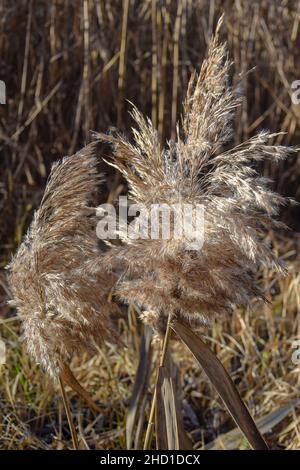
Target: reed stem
x=164 y=349
x=69 y=415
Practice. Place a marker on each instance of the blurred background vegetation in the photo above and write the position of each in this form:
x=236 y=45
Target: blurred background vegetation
x=71 y=67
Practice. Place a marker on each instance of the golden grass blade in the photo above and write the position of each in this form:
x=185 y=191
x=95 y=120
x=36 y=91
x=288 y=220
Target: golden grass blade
x=232 y=439
x=140 y=387
x=163 y=65
x=154 y=85
x=140 y=424
x=170 y=432
x=163 y=356
x=176 y=39
x=149 y=431
x=184 y=440
x=86 y=68
x=68 y=413
x=167 y=437
x=68 y=376
x=222 y=383
x=122 y=61
x=160 y=415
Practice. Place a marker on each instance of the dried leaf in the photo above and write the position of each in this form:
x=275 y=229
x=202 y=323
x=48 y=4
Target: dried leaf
x=140 y=387
x=222 y=383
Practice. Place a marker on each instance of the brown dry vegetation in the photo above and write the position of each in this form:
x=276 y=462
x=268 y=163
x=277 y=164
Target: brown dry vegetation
x=69 y=68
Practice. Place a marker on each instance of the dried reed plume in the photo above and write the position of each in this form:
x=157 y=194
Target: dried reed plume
x=161 y=275
x=63 y=306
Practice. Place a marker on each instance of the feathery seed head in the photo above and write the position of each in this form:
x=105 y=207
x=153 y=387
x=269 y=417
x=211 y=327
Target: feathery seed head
x=63 y=307
x=161 y=275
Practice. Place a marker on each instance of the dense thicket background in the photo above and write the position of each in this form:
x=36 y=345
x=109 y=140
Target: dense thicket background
x=70 y=67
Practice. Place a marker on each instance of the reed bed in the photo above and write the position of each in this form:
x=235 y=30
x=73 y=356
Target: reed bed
x=72 y=67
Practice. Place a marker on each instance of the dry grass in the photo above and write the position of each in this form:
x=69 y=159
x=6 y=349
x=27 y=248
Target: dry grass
x=255 y=348
x=69 y=68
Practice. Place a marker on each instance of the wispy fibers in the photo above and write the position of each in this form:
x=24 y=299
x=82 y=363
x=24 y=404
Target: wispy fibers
x=182 y=288
x=239 y=208
x=64 y=306
x=64 y=309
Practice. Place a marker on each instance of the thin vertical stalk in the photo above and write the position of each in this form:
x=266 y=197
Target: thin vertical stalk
x=69 y=415
x=154 y=85
x=86 y=67
x=122 y=61
x=175 y=69
x=163 y=356
x=162 y=94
